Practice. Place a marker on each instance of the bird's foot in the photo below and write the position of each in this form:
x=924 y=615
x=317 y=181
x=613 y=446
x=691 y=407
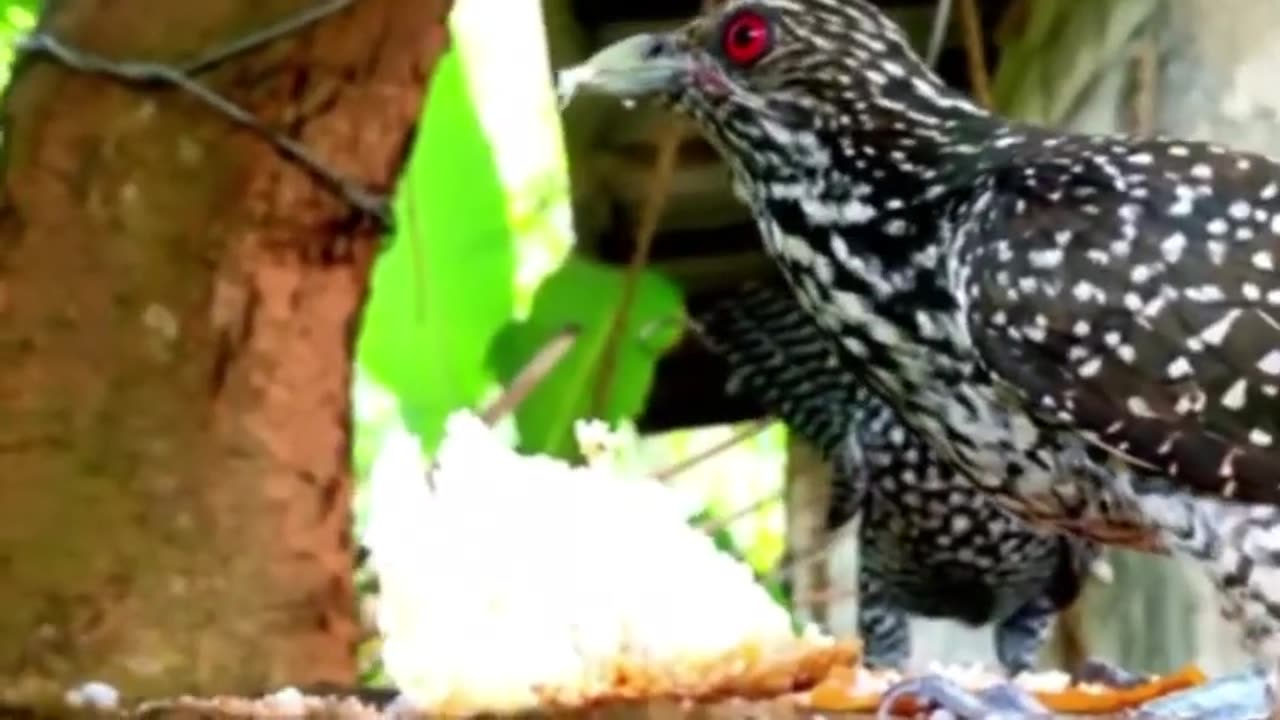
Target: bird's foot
x=1239 y=696
x=1097 y=671
x=1003 y=701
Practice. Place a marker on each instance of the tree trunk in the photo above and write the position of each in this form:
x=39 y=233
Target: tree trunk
x=178 y=304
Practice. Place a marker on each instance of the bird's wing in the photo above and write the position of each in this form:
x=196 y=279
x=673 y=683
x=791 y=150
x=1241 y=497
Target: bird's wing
x=778 y=356
x=1137 y=298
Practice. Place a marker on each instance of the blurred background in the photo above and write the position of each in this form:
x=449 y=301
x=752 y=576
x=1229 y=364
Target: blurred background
x=516 y=220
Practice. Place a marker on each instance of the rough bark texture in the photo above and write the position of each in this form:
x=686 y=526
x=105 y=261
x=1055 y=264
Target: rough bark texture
x=178 y=306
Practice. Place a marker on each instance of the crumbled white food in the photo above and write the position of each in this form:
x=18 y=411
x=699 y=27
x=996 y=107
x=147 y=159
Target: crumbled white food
x=524 y=577
x=93 y=695
x=287 y=702
x=570 y=80
x=969 y=675
x=596 y=440
x=1046 y=681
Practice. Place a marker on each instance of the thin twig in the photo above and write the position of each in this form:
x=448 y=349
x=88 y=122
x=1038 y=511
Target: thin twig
x=659 y=187
x=823 y=597
x=144 y=72
x=525 y=381
x=532 y=374
x=713 y=526
x=814 y=555
x=976 y=50
x=938 y=33
x=1146 y=80
x=664 y=165
x=682 y=466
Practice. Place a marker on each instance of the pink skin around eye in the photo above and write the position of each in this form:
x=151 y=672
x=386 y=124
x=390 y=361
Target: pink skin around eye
x=710 y=79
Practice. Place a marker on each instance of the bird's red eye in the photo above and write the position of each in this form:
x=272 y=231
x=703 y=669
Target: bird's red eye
x=747 y=38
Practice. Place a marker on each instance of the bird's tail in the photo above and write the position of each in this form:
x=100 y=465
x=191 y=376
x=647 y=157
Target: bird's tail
x=1238 y=546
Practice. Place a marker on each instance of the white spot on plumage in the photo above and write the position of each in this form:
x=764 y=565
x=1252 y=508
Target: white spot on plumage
x=1139 y=407
x=1216 y=334
x=1264 y=260
x=1205 y=294
x=1046 y=259
x=1185 y=203
x=1173 y=246
x=1271 y=363
x=1217 y=251
x=1261 y=438
x=1090 y=368
x=1142 y=274
x=1236 y=395
x=1179 y=369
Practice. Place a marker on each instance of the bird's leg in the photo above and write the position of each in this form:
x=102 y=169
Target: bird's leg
x=1020 y=636
x=885 y=630
x=1097 y=671
x=1003 y=701
x=181 y=75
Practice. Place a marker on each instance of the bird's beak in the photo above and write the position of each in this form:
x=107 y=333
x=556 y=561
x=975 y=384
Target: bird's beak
x=641 y=65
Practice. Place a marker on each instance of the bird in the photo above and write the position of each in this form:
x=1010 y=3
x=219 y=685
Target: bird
x=1086 y=325
x=929 y=544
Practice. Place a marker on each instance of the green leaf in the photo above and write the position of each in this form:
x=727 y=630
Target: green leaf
x=443 y=289
x=587 y=295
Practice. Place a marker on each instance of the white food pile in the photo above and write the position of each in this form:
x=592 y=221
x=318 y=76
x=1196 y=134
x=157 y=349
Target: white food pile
x=522 y=580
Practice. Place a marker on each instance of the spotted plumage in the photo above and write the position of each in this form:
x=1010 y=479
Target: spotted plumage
x=929 y=545
x=1084 y=326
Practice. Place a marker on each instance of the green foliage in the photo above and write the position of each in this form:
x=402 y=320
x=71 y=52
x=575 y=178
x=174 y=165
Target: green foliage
x=444 y=287
x=587 y=296
x=16 y=18
x=1048 y=69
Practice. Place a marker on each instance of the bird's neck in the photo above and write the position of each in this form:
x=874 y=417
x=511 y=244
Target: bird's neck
x=866 y=235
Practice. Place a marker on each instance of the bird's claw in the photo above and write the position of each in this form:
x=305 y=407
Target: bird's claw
x=1095 y=671
x=1003 y=701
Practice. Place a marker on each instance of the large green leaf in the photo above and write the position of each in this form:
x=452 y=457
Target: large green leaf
x=587 y=295
x=443 y=289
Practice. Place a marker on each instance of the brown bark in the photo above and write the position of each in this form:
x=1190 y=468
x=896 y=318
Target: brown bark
x=178 y=305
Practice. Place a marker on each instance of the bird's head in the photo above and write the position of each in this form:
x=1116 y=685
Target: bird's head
x=803 y=78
